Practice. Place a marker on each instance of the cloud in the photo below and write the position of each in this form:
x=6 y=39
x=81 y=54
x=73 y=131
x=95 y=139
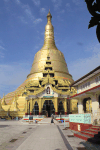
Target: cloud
x=1 y=55
x=6 y=0
x=11 y=77
x=79 y=4
x=2 y=49
x=22 y=19
x=18 y=1
x=96 y=49
x=28 y=12
x=38 y=20
x=57 y=4
x=76 y=2
x=36 y=2
x=42 y=10
x=83 y=66
x=68 y=7
x=62 y=11
x=1 y=42
x=67 y=4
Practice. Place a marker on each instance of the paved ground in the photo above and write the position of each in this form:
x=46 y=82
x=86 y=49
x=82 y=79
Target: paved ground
x=39 y=137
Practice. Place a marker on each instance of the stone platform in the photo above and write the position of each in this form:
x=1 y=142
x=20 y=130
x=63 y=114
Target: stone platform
x=16 y=135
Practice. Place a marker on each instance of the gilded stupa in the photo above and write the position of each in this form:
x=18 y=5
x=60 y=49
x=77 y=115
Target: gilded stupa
x=47 y=86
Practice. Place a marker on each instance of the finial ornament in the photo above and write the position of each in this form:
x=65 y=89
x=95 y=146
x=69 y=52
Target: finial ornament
x=49 y=16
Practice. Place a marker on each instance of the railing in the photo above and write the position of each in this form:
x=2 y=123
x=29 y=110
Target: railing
x=80 y=118
x=34 y=116
x=86 y=118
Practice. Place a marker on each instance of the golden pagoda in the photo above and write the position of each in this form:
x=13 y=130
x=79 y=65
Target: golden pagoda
x=47 y=87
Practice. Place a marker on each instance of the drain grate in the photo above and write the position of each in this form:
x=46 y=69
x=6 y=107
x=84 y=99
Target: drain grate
x=13 y=140
x=24 y=132
x=2 y=126
x=81 y=148
x=66 y=128
x=30 y=128
x=9 y=146
x=70 y=135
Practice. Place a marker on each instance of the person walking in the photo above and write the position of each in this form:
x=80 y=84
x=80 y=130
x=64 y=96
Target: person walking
x=52 y=117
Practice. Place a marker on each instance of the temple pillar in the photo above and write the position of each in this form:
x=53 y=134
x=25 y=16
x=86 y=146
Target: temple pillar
x=80 y=107
x=95 y=104
x=56 y=105
x=65 y=106
x=31 y=106
x=40 y=106
x=26 y=105
x=70 y=106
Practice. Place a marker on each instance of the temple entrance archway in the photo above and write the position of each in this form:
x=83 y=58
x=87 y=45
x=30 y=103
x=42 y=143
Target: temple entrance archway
x=36 y=109
x=48 y=108
x=87 y=105
x=61 y=108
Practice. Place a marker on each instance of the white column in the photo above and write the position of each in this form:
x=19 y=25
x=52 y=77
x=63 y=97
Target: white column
x=95 y=105
x=80 y=107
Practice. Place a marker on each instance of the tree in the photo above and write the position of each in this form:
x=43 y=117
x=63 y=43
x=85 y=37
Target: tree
x=94 y=10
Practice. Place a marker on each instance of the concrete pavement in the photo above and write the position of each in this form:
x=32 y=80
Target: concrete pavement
x=25 y=136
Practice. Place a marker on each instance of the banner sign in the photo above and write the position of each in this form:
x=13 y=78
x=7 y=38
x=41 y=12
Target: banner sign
x=48 y=96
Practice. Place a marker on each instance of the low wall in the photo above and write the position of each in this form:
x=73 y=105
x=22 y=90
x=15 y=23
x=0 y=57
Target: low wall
x=79 y=126
x=80 y=122
x=32 y=117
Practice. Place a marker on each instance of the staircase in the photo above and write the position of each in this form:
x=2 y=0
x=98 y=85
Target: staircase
x=47 y=121
x=91 y=135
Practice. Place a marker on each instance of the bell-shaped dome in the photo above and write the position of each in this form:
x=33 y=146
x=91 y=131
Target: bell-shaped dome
x=56 y=57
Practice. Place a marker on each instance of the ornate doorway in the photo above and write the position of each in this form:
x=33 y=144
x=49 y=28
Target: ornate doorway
x=36 y=109
x=61 y=108
x=48 y=108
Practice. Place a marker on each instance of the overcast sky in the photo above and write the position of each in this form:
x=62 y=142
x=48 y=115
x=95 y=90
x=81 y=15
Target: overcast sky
x=22 y=26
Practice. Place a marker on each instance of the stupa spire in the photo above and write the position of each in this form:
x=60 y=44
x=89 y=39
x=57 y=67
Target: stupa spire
x=49 y=17
x=49 y=42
